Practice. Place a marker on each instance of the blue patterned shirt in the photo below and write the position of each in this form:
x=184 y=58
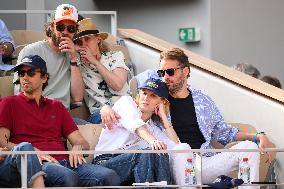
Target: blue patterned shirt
x=210 y=121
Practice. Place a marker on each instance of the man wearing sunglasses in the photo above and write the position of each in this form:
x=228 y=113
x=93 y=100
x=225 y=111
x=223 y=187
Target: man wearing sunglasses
x=29 y=117
x=59 y=53
x=197 y=121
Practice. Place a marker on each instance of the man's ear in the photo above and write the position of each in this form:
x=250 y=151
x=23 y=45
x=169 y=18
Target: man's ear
x=44 y=78
x=186 y=71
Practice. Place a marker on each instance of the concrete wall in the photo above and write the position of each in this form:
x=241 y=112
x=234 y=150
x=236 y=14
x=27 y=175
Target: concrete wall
x=86 y=5
x=163 y=18
x=13 y=21
x=249 y=31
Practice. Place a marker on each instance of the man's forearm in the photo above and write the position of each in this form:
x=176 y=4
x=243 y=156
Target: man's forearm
x=77 y=84
x=244 y=136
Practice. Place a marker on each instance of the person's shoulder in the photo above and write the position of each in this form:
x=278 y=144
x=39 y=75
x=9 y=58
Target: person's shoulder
x=9 y=99
x=35 y=44
x=1 y=22
x=199 y=94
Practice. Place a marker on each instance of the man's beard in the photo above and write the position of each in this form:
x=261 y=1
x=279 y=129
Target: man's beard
x=176 y=87
x=56 y=40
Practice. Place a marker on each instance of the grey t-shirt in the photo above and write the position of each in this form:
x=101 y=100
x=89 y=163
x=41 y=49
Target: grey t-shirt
x=58 y=67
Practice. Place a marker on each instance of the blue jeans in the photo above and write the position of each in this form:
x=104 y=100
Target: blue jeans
x=10 y=167
x=138 y=167
x=84 y=175
x=95 y=117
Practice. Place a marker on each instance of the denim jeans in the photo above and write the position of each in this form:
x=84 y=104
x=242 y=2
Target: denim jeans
x=10 y=167
x=84 y=175
x=95 y=117
x=138 y=167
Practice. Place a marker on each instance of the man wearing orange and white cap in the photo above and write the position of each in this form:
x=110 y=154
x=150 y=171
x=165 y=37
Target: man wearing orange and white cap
x=59 y=53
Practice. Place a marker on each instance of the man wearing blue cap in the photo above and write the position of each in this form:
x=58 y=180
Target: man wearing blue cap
x=29 y=117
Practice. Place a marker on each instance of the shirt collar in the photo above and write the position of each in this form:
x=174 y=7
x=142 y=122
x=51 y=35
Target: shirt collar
x=42 y=100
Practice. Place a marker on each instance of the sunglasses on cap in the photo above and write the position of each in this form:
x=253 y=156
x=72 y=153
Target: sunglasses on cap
x=30 y=72
x=170 y=71
x=70 y=28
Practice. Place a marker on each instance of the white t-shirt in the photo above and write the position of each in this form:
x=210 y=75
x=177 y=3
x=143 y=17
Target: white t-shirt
x=97 y=93
x=122 y=136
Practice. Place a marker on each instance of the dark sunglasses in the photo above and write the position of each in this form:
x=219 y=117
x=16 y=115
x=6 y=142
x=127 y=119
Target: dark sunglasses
x=30 y=72
x=170 y=71
x=70 y=28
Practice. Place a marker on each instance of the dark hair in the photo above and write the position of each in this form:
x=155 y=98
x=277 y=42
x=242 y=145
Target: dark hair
x=42 y=74
x=271 y=80
x=247 y=69
x=176 y=54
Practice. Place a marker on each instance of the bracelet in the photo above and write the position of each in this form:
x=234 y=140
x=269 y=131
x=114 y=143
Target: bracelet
x=254 y=138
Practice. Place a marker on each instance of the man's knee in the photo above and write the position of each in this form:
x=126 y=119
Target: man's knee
x=110 y=179
x=247 y=145
x=58 y=175
x=24 y=146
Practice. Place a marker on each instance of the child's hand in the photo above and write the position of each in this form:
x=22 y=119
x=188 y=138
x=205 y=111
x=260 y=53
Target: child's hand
x=161 y=111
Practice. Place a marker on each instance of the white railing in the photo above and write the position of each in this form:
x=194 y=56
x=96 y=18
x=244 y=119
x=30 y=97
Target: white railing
x=112 y=14
x=198 y=162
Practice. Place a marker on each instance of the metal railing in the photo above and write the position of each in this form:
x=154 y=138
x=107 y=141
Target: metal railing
x=112 y=14
x=198 y=162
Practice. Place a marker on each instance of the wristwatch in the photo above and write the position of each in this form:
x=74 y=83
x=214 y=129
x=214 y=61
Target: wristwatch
x=262 y=132
x=74 y=64
x=77 y=63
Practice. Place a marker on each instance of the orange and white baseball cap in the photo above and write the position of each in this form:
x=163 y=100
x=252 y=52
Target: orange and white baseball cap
x=66 y=12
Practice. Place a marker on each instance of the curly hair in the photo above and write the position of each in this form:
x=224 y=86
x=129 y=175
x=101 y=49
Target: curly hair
x=48 y=28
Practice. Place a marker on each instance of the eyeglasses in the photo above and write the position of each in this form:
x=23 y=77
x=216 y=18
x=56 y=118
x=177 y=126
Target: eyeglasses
x=170 y=71
x=70 y=28
x=30 y=72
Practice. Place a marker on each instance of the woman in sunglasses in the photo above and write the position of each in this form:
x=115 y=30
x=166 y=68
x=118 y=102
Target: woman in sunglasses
x=143 y=124
x=60 y=54
x=104 y=72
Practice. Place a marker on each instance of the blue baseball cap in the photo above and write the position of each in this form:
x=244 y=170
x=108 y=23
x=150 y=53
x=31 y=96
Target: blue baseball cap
x=224 y=182
x=33 y=61
x=157 y=86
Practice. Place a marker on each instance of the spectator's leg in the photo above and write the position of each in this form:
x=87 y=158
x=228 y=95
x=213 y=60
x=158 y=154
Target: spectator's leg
x=59 y=175
x=34 y=170
x=123 y=165
x=152 y=168
x=96 y=175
